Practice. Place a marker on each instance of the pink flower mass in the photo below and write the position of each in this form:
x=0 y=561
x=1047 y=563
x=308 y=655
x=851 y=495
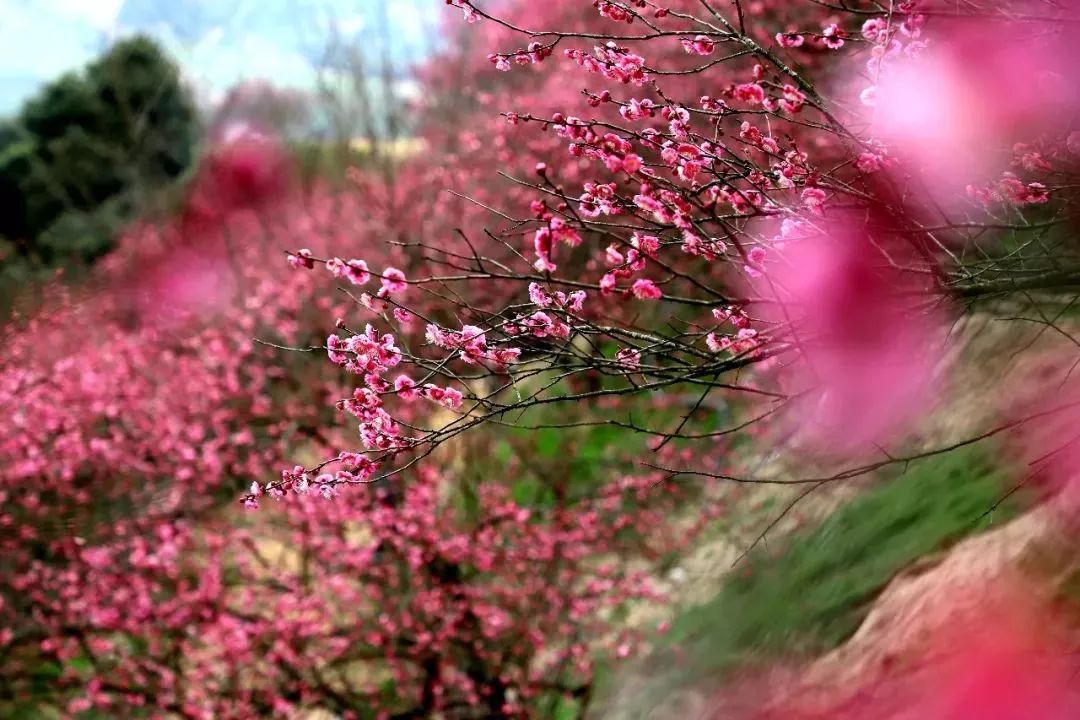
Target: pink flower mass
x=865 y=352
x=458 y=428
x=943 y=104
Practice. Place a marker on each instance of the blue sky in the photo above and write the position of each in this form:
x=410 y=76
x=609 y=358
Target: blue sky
x=216 y=42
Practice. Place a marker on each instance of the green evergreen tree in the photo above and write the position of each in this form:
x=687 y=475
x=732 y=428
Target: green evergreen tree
x=89 y=149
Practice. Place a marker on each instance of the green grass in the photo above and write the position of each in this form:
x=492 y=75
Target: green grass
x=572 y=445
x=811 y=593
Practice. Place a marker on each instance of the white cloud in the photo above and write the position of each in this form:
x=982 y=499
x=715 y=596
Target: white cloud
x=252 y=56
x=351 y=24
x=99 y=14
x=211 y=39
x=40 y=43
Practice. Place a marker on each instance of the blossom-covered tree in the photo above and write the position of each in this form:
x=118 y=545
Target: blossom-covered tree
x=726 y=203
x=673 y=222
x=133 y=585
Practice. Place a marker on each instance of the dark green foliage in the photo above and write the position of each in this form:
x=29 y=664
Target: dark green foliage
x=65 y=103
x=150 y=110
x=16 y=164
x=84 y=234
x=85 y=152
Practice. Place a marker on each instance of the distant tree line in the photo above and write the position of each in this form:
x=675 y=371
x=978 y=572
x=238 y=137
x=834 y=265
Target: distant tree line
x=87 y=153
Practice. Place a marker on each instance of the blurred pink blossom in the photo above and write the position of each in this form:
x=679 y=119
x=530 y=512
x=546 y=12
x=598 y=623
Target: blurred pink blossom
x=185 y=282
x=1007 y=661
x=864 y=352
x=243 y=170
x=1002 y=679
x=975 y=88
